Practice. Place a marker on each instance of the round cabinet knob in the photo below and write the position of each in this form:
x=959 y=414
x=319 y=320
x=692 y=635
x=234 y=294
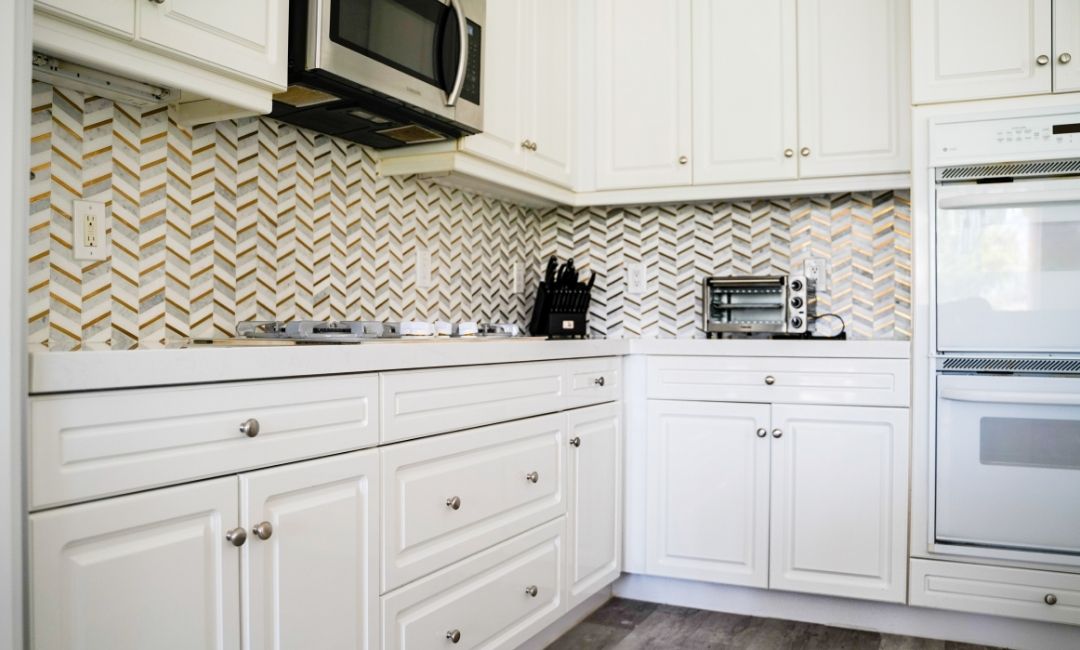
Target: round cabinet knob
x=770 y=380
x=236 y=536
x=532 y=477
x=575 y=442
x=534 y=147
x=454 y=636
x=531 y=590
x=788 y=153
x=263 y=530
x=1042 y=59
x=805 y=151
x=761 y=433
x=1064 y=58
x=1050 y=599
x=599 y=381
x=158 y=2
x=250 y=427
x=454 y=503
x=525 y=144
x=683 y=160
x=776 y=433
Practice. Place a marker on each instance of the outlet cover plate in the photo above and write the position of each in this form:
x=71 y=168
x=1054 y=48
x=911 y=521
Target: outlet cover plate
x=816 y=270
x=90 y=219
x=423 y=268
x=635 y=279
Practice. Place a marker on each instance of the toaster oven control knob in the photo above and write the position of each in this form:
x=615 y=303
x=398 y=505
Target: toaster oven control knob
x=796 y=322
x=1050 y=599
x=796 y=302
x=796 y=285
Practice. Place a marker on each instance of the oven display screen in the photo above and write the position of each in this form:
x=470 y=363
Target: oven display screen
x=1067 y=128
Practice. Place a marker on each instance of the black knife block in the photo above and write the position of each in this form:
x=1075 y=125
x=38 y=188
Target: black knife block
x=561 y=312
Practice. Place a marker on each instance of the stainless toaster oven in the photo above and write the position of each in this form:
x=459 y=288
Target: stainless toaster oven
x=777 y=304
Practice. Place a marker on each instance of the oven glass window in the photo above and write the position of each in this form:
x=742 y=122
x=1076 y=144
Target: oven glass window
x=399 y=33
x=1029 y=442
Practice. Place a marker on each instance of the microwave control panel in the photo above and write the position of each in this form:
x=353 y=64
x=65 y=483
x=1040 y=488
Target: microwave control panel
x=1005 y=139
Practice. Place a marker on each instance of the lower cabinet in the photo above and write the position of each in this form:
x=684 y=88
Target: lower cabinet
x=802 y=498
x=293 y=547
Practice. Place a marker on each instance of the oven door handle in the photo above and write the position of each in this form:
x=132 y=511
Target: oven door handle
x=1000 y=199
x=463 y=53
x=1050 y=399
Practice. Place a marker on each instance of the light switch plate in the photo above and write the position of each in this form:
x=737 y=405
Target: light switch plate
x=518 y=274
x=635 y=279
x=90 y=219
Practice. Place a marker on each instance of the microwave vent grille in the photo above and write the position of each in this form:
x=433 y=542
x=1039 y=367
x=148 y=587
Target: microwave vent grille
x=1028 y=169
x=1034 y=366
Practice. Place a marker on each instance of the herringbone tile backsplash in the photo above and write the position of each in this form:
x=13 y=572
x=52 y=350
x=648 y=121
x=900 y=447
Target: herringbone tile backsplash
x=254 y=219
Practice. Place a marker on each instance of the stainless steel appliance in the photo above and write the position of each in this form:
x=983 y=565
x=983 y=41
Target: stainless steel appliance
x=777 y=304
x=324 y=332
x=1006 y=336
x=385 y=73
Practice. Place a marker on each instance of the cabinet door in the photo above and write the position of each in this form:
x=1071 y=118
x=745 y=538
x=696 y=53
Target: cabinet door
x=311 y=578
x=707 y=510
x=246 y=36
x=116 y=16
x=151 y=570
x=854 y=106
x=1066 y=45
x=504 y=72
x=973 y=49
x=643 y=94
x=839 y=501
x=744 y=90
x=550 y=70
x=593 y=497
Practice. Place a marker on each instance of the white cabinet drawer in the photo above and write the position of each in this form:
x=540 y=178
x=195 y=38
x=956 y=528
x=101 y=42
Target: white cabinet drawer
x=98 y=444
x=486 y=601
x=866 y=382
x=592 y=381
x=1000 y=591
x=450 y=496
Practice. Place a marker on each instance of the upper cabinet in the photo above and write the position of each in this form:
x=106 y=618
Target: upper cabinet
x=1066 y=45
x=643 y=101
x=975 y=49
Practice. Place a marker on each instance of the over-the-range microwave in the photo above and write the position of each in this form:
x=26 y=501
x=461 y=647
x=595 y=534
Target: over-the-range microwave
x=384 y=73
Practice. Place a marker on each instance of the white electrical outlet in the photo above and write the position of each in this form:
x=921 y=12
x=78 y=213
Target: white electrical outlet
x=518 y=274
x=635 y=279
x=91 y=233
x=423 y=268
x=816 y=270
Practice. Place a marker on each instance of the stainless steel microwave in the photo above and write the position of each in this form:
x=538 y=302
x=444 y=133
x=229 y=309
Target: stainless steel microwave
x=385 y=73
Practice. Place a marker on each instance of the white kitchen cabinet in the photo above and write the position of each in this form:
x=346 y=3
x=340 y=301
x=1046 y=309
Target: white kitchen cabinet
x=974 y=49
x=744 y=75
x=854 y=100
x=1066 y=55
x=839 y=501
x=313 y=552
x=594 y=503
x=151 y=570
x=708 y=492
x=643 y=96
x=117 y=16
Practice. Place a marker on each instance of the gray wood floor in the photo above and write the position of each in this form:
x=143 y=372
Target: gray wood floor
x=630 y=625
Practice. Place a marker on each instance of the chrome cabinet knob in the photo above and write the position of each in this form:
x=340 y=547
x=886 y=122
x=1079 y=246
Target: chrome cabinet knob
x=776 y=433
x=525 y=144
x=761 y=433
x=532 y=477
x=805 y=151
x=236 y=536
x=683 y=160
x=1064 y=58
x=531 y=590
x=575 y=442
x=1042 y=59
x=1050 y=599
x=250 y=427
x=454 y=503
x=158 y=2
x=263 y=530
x=454 y=636
x=770 y=380
x=534 y=147
x=599 y=381
x=788 y=153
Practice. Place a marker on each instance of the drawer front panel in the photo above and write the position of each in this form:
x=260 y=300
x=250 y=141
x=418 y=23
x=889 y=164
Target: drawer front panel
x=867 y=382
x=1001 y=591
x=424 y=402
x=99 y=444
x=496 y=599
x=592 y=381
x=450 y=496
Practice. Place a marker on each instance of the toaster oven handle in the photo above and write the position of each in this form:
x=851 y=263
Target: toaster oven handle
x=463 y=53
x=1015 y=397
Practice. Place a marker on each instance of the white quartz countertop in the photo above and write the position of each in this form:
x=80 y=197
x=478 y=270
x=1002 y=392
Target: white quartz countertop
x=56 y=372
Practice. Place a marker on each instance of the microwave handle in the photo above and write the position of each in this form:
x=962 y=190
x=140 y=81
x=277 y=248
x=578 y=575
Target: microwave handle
x=999 y=199
x=1050 y=399
x=463 y=54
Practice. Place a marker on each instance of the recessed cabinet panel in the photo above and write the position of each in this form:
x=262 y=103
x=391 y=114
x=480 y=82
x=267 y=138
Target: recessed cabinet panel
x=854 y=115
x=973 y=49
x=117 y=16
x=1066 y=56
x=152 y=570
x=744 y=90
x=550 y=60
x=708 y=492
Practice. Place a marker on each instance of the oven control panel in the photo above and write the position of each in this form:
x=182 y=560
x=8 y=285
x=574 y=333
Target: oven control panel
x=1010 y=138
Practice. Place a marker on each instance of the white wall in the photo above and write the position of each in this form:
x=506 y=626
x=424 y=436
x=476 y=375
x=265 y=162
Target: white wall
x=15 y=30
